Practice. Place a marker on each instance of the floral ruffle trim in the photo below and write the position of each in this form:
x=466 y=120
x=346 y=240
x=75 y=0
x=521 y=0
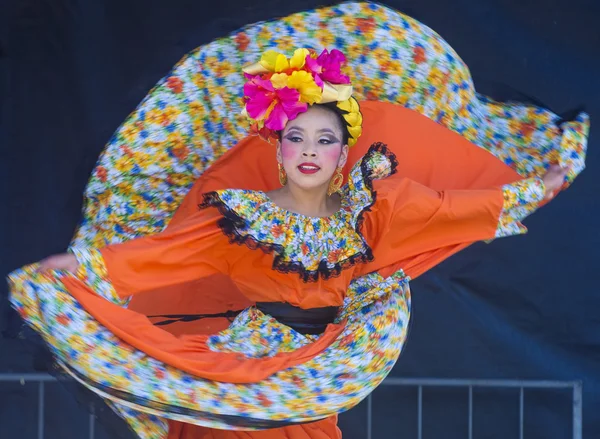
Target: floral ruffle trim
x=235 y=227
x=379 y=162
x=521 y=199
x=92 y=271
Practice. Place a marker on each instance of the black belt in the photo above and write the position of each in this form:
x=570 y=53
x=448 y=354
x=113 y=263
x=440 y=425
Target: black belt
x=311 y=321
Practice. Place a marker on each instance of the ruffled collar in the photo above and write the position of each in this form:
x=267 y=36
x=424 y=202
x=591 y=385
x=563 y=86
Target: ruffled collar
x=313 y=247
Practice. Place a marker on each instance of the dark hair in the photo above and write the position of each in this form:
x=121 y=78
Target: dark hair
x=339 y=114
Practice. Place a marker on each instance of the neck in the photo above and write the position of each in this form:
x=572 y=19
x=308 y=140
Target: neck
x=314 y=202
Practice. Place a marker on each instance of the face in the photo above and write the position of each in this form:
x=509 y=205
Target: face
x=311 y=148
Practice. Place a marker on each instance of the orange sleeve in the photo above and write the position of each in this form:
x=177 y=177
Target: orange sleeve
x=194 y=248
x=414 y=228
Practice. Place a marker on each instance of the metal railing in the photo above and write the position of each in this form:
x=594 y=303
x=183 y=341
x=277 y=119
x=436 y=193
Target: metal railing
x=419 y=383
x=575 y=386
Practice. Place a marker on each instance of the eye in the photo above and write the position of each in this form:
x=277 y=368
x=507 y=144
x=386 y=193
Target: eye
x=294 y=139
x=327 y=141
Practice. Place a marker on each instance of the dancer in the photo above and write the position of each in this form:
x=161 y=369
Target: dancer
x=318 y=270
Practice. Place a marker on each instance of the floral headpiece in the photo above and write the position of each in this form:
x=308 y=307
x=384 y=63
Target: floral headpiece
x=278 y=89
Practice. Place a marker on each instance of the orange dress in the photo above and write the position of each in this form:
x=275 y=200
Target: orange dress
x=226 y=249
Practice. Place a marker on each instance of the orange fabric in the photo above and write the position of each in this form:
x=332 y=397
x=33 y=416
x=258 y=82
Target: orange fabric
x=427 y=153
x=411 y=221
x=189 y=352
x=191 y=269
x=412 y=226
x=325 y=429
x=193 y=249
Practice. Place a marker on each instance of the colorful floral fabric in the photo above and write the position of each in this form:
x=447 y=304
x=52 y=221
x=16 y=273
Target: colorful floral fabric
x=376 y=311
x=520 y=200
x=264 y=336
x=194 y=114
x=92 y=271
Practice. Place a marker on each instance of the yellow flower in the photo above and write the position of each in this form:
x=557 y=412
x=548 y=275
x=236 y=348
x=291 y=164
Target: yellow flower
x=199 y=80
x=124 y=166
x=436 y=77
x=303 y=81
x=129 y=133
x=285 y=43
x=325 y=37
x=279 y=80
x=410 y=86
x=298 y=59
x=510 y=199
x=274 y=61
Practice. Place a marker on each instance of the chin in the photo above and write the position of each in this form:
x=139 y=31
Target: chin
x=309 y=185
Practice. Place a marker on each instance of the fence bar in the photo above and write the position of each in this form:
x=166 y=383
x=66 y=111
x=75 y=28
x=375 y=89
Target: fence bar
x=390 y=381
x=443 y=382
x=370 y=416
x=577 y=411
x=92 y=432
x=41 y=408
x=576 y=386
x=24 y=377
x=521 y=408
x=470 y=412
x=420 y=412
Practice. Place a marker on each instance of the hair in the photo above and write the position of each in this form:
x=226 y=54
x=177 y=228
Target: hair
x=339 y=114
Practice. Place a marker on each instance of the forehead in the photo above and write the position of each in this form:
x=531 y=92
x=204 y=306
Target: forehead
x=314 y=119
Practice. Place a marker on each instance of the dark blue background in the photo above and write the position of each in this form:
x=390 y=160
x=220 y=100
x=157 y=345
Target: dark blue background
x=525 y=307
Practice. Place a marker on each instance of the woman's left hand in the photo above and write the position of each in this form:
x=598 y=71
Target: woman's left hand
x=554 y=180
x=64 y=261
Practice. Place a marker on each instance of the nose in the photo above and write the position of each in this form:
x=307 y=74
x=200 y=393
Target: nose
x=309 y=150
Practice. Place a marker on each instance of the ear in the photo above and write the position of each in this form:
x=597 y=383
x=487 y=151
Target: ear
x=278 y=152
x=343 y=156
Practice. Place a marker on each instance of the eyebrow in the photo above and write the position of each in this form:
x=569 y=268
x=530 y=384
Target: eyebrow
x=323 y=130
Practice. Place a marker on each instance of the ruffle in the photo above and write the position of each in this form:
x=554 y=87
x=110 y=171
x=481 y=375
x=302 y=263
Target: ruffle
x=299 y=243
x=335 y=380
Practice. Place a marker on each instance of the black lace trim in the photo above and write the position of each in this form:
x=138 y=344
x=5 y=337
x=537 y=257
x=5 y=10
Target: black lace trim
x=231 y=224
x=380 y=148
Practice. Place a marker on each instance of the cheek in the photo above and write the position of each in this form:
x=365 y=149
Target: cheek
x=331 y=156
x=287 y=150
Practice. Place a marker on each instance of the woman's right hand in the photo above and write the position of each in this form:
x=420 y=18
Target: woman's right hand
x=554 y=179
x=64 y=261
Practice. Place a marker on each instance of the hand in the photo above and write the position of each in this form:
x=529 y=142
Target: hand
x=64 y=261
x=554 y=180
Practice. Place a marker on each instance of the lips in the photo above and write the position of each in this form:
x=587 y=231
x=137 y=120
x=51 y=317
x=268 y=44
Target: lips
x=308 y=168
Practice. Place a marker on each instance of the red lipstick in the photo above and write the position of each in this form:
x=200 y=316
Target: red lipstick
x=308 y=168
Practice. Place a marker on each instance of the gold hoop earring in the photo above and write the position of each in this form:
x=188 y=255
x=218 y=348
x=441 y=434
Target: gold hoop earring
x=336 y=182
x=282 y=175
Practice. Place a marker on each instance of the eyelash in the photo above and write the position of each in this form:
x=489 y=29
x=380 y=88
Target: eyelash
x=296 y=139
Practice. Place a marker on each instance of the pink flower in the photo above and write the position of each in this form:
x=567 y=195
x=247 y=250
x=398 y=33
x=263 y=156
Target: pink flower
x=273 y=106
x=327 y=67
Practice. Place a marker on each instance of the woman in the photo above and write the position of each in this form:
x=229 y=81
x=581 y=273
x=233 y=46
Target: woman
x=323 y=268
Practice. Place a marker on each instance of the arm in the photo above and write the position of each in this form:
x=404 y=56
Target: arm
x=414 y=228
x=193 y=249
